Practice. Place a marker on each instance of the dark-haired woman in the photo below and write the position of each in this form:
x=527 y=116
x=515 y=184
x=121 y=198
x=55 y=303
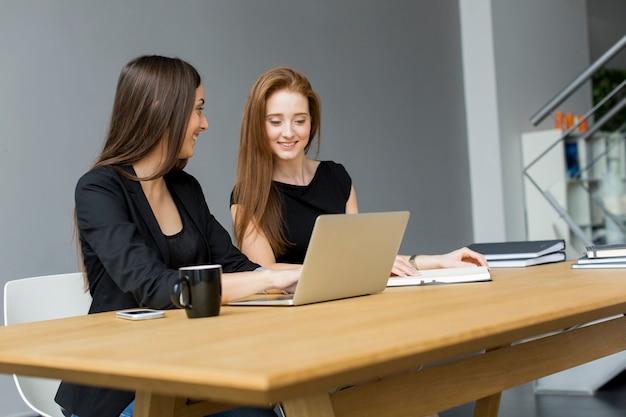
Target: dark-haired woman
x=140 y=217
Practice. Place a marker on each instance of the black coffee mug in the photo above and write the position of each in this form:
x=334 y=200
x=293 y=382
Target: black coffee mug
x=199 y=290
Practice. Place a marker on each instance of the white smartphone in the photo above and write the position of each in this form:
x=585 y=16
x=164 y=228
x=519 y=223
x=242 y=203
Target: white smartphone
x=140 y=314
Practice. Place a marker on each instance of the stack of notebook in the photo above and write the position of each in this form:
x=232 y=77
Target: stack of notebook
x=521 y=254
x=603 y=256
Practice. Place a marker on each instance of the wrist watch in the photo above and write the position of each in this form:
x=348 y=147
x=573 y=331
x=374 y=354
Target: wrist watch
x=412 y=261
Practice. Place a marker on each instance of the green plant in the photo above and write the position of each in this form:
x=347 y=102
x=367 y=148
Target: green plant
x=603 y=82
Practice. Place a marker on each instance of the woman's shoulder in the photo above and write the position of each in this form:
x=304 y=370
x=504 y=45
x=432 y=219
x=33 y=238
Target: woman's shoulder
x=116 y=171
x=334 y=168
x=332 y=165
x=333 y=174
x=106 y=179
x=99 y=174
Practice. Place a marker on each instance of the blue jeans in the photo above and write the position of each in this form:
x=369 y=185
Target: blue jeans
x=235 y=412
x=128 y=411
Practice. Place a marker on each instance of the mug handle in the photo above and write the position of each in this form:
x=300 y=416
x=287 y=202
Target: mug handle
x=180 y=293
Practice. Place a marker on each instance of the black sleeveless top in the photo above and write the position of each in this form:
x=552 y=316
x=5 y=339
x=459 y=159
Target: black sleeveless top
x=327 y=193
x=186 y=247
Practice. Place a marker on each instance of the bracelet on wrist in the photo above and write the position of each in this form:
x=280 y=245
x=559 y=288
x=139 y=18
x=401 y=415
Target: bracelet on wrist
x=412 y=261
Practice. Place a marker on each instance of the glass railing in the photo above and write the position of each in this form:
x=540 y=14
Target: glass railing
x=595 y=158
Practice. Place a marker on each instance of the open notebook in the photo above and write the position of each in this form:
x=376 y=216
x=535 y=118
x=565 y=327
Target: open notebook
x=443 y=276
x=349 y=255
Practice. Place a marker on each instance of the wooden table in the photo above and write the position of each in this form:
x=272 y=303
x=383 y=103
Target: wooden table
x=299 y=355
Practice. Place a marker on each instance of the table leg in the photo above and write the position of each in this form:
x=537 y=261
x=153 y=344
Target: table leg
x=318 y=405
x=487 y=406
x=149 y=404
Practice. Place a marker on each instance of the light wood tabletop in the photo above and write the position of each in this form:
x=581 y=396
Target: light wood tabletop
x=466 y=336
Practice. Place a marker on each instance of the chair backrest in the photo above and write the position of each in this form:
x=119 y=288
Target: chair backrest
x=43 y=298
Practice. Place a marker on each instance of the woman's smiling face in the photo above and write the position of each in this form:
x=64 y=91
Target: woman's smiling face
x=287 y=123
x=197 y=124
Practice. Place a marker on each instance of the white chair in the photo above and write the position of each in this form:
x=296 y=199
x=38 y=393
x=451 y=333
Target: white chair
x=43 y=298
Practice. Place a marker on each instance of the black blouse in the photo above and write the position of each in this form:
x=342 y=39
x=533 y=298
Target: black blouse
x=327 y=193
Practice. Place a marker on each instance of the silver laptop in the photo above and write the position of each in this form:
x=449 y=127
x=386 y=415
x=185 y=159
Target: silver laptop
x=349 y=255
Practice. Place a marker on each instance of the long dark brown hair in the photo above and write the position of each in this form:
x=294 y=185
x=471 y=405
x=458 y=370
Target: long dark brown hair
x=154 y=98
x=259 y=203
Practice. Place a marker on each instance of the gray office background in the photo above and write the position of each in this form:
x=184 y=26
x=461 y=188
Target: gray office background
x=422 y=101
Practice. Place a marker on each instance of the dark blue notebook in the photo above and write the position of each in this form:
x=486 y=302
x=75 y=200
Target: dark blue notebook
x=518 y=250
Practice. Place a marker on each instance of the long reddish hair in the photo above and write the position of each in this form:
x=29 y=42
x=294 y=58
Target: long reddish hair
x=259 y=203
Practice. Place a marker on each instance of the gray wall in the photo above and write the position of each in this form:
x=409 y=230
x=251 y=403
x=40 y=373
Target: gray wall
x=606 y=26
x=389 y=77
x=532 y=66
x=516 y=56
